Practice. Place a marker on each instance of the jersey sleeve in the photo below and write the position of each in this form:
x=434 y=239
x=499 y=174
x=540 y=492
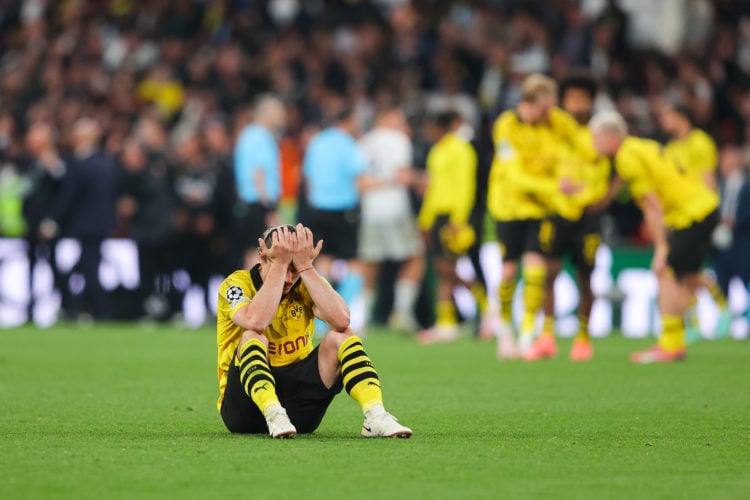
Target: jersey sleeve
x=465 y=182
x=631 y=167
x=359 y=160
x=597 y=182
x=427 y=214
x=510 y=152
x=706 y=149
x=404 y=153
x=234 y=294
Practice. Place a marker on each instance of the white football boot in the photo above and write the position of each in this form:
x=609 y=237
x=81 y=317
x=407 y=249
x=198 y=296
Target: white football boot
x=279 y=425
x=380 y=423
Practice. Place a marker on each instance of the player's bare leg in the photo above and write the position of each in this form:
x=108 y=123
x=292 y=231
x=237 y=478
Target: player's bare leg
x=545 y=346
x=341 y=353
x=674 y=299
x=370 y=272
x=708 y=282
x=534 y=272
x=405 y=294
x=582 y=350
x=446 y=324
x=506 y=344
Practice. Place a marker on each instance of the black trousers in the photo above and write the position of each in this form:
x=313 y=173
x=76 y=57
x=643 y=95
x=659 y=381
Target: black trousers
x=93 y=298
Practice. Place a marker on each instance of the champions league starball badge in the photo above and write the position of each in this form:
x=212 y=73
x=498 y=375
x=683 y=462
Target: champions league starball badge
x=234 y=293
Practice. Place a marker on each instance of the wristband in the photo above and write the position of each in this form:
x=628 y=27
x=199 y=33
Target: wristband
x=305 y=269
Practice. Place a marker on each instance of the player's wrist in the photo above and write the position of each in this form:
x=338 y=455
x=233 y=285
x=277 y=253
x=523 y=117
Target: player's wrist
x=302 y=269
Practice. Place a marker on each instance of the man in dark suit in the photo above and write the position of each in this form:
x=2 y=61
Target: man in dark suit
x=144 y=207
x=84 y=209
x=44 y=176
x=732 y=237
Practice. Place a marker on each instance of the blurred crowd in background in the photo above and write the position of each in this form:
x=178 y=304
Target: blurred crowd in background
x=141 y=103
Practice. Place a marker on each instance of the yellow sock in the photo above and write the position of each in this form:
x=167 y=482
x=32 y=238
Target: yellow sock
x=533 y=294
x=360 y=378
x=549 y=326
x=583 y=328
x=506 y=291
x=446 y=313
x=480 y=295
x=717 y=294
x=673 y=333
x=256 y=376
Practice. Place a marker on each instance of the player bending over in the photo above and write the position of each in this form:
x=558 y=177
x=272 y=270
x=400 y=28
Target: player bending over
x=681 y=213
x=271 y=378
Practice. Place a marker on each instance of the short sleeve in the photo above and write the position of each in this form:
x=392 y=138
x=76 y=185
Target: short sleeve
x=234 y=294
x=405 y=153
x=359 y=160
x=707 y=148
x=631 y=168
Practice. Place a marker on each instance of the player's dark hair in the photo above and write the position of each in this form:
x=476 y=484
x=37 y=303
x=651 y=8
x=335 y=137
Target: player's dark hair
x=445 y=120
x=683 y=111
x=580 y=79
x=267 y=235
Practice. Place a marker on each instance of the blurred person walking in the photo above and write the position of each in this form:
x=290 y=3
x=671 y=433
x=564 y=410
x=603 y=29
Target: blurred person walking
x=696 y=154
x=84 y=209
x=681 y=214
x=218 y=149
x=444 y=216
x=389 y=229
x=693 y=148
x=195 y=180
x=334 y=172
x=257 y=172
x=732 y=237
x=44 y=178
x=145 y=202
x=523 y=190
x=574 y=228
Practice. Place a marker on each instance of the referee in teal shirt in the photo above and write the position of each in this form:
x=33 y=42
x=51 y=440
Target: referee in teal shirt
x=334 y=168
x=257 y=172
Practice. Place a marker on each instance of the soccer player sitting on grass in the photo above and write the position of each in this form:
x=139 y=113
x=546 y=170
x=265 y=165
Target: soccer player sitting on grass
x=271 y=379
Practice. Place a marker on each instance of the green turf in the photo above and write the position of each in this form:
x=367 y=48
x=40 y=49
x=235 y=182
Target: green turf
x=121 y=412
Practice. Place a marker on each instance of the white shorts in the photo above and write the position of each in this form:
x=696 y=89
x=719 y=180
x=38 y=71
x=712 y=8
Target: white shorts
x=389 y=240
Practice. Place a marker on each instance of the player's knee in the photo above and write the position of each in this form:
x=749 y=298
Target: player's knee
x=509 y=271
x=337 y=337
x=249 y=335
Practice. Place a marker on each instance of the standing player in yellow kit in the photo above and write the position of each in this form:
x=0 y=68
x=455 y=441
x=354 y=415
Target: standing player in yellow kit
x=681 y=213
x=695 y=151
x=575 y=228
x=444 y=216
x=523 y=190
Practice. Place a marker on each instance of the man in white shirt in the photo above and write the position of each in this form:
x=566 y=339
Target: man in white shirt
x=388 y=228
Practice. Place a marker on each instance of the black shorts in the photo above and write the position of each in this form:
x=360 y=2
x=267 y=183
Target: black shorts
x=579 y=238
x=437 y=245
x=690 y=246
x=518 y=237
x=250 y=223
x=301 y=392
x=339 y=230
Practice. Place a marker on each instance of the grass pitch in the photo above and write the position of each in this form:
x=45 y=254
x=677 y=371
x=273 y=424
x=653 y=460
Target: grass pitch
x=116 y=411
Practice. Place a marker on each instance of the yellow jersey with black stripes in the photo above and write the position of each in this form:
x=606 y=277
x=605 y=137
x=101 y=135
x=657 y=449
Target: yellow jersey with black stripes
x=523 y=180
x=579 y=163
x=696 y=153
x=290 y=333
x=451 y=167
x=647 y=168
